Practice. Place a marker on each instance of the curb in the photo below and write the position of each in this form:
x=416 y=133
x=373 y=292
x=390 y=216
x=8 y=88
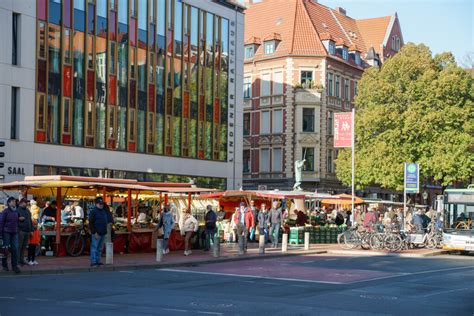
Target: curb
x=163 y=265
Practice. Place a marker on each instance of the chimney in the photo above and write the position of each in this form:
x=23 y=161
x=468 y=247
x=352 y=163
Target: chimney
x=341 y=10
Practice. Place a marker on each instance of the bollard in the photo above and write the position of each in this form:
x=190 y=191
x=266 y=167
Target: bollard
x=109 y=253
x=216 y=248
x=261 y=244
x=306 y=241
x=159 y=250
x=241 y=245
x=284 y=243
x=109 y=246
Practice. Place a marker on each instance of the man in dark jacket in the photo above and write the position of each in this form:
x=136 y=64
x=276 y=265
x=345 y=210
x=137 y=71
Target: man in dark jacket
x=98 y=220
x=210 y=218
x=9 y=233
x=25 y=228
x=275 y=221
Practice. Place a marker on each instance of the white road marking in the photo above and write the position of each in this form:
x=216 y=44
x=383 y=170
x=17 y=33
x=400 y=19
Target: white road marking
x=73 y=302
x=210 y=313
x=7 y=298
x=411 y=273
x=444 y=292
x=175 y=310
x=36 y=299
x=104 y=304
x=250 y=276
x=126 y=272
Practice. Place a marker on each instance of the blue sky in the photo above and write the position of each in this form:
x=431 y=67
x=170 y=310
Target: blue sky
x=443 y=25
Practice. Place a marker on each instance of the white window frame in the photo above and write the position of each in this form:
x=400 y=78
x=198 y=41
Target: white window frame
x=249 y=48
x=330 y=123
x=276 y=120
x=247 y=92
x=267 y=45
x=277 y=88
x=250 y=160
x=267 y=169
x=267 y=131
x=265 y=84
x=332 y=48
x=330 y=84
x=274 y=160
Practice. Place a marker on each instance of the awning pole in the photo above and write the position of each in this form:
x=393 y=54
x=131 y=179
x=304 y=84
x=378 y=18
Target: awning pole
x=189 y=201
x=58 y=219
x=136 y=207
x=166 y=199
x=129 y=211
x=104 y=194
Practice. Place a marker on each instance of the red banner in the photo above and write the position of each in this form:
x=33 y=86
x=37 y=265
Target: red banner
x=342 y=129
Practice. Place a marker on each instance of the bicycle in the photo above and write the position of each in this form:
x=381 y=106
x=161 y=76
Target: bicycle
x=76 y=242
x=466 y=224
x=354 y=237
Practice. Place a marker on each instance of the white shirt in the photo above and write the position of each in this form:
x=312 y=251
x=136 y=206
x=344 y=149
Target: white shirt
x=78 y=212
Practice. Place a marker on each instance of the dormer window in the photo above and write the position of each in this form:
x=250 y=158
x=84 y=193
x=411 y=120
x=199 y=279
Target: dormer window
x=331 y=48
x=345 y=53
x=249 y=51
x=357 y=58
x=269 y=47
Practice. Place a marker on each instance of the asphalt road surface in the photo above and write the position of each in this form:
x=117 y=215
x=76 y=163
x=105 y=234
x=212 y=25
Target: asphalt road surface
x=303 y=285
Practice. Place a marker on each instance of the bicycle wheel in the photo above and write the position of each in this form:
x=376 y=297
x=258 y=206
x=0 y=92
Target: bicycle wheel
x=75 y=244
x=365 y=241
x=393 y=242
x=431 y=242
x=376 y=241
x=347 y=240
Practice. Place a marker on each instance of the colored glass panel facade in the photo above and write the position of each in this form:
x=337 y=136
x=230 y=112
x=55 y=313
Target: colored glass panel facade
x=148 y=76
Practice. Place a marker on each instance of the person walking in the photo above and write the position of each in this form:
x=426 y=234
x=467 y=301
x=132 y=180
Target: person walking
x=254 y=211
x=244 y=221
x=189 y=226
x=33 y=242
x=9 y=234
x=210 y=218
x=25 y=228
x=167 y=223
x=263 y=221
x=275 y=221
x=98 y=220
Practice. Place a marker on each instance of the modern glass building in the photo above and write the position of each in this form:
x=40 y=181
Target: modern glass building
x=147 y=86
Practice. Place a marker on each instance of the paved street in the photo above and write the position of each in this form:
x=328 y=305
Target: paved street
x=300 y=285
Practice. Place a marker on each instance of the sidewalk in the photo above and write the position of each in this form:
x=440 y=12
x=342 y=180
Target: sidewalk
x=229 y=252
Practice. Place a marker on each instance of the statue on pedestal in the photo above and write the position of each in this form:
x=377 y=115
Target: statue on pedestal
x=298 y=174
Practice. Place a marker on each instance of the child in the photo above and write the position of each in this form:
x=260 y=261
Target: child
x=33 y=242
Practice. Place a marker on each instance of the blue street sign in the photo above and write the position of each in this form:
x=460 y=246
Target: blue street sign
x=412 y=178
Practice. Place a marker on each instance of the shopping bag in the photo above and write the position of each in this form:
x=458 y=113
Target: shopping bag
x=252 y=233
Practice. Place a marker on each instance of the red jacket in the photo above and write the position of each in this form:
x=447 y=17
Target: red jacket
x=249 y=219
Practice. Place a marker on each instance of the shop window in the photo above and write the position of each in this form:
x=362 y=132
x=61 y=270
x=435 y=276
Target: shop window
x=67 y=46
x=41 y=40
x=41 y=112
x=66 y=114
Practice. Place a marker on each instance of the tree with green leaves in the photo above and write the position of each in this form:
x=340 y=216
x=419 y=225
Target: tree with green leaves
x=415 y=108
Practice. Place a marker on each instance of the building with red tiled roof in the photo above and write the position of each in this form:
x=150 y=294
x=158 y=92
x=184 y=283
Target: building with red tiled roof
x=302 y=64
